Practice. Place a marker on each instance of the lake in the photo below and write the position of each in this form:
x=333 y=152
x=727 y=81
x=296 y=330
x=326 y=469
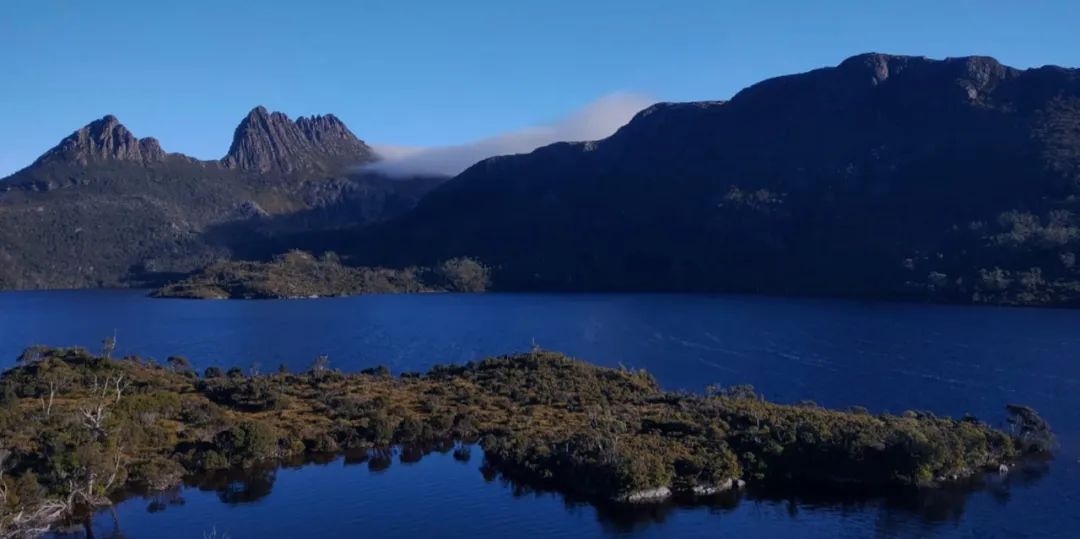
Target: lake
x=950 y=360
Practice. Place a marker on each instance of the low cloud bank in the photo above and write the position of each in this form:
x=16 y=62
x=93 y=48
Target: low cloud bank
x=594 y=121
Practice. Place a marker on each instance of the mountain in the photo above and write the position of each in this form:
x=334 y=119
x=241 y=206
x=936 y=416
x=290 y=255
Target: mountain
x=884 y=176
x=103 y=140
x=105 y=208
x=268 y=142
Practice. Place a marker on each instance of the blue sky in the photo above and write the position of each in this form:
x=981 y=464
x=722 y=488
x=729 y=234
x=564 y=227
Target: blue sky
x=448 y=72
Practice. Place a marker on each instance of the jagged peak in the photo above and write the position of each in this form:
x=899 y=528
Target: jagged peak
x=258 y=111
x=107 y=121
x=879 y=66
x=107 y=124
x=101 y=140
x=321 y=120
x=270 y=141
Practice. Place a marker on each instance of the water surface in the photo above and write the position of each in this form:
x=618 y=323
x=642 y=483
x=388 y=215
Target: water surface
x=888 y=357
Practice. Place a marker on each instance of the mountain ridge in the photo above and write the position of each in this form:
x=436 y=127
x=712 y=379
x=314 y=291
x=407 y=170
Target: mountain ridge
x=105 y=208
x=883 y=176
x=263 y=141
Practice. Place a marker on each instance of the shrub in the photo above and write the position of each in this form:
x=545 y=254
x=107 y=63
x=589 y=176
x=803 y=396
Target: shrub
x=248 y=394
x=1031 y=431
x=464 y=275
x=248 y=442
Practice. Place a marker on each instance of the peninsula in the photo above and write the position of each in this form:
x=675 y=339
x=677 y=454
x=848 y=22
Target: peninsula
x=298 y=274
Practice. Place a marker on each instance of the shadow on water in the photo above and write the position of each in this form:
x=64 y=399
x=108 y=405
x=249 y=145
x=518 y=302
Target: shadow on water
x=929 y=506
x=894 y=508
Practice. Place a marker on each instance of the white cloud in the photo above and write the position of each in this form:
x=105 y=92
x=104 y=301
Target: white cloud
x=594 y=121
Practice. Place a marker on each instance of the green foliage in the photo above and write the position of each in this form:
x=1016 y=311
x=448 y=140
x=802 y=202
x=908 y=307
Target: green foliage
x=248 y=394
x=297 y=274
x=248 y=442
x=732 y=392
x=380 y=370
x=178 y=363
x=540 y=416
x=1032 y=432
x=464 y=275
x=32 y=354
x=8 y=397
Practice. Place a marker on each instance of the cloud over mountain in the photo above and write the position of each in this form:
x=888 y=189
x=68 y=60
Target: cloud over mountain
x=593 y=121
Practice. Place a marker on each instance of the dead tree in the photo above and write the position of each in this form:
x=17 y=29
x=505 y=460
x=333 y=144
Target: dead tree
x=105 y=394
x=55 y=383
x=108 y=346
x=89 y=482
x=26 y=521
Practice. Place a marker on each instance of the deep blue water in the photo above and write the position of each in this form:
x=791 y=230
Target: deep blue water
x=887 y=357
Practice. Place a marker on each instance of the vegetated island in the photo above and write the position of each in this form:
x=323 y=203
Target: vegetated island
x=78 y=428
x=297 y=274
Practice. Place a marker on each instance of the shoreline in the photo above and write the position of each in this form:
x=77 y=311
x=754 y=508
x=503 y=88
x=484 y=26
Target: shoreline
x=594 y=433
x=264 y=478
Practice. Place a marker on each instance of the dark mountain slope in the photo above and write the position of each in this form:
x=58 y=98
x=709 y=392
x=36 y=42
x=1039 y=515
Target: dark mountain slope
x=883 y=176
x=104 y=208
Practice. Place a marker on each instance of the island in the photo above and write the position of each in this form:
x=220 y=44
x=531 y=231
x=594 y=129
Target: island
x=297 y=274
x=78 y=428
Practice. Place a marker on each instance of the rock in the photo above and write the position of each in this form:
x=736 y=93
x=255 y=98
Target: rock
x=103 y=140
x=269 y=141
x=651 y=495
x=165 y=482
x=710 y=490
x=249 y=209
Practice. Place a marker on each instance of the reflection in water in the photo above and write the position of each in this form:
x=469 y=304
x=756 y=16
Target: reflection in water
x=161 y=501
x=895 y=508
x=380 y=459
x=893 y=512
x=238 y=486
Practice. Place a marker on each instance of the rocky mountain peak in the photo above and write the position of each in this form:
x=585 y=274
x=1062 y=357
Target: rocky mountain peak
x=975 y=74
x=879 y=67
x=270 y=141
x=102 y=140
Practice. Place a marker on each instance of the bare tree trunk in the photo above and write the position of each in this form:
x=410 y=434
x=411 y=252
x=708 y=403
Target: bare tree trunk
x=120 y=388
x=52 y=394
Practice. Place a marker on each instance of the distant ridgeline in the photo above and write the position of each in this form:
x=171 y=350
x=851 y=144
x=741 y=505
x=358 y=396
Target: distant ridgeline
x=885 y=176
x=78 y=428
x=297 y=274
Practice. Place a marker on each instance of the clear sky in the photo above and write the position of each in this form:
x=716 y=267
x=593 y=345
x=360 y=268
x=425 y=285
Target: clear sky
x=423 y=73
